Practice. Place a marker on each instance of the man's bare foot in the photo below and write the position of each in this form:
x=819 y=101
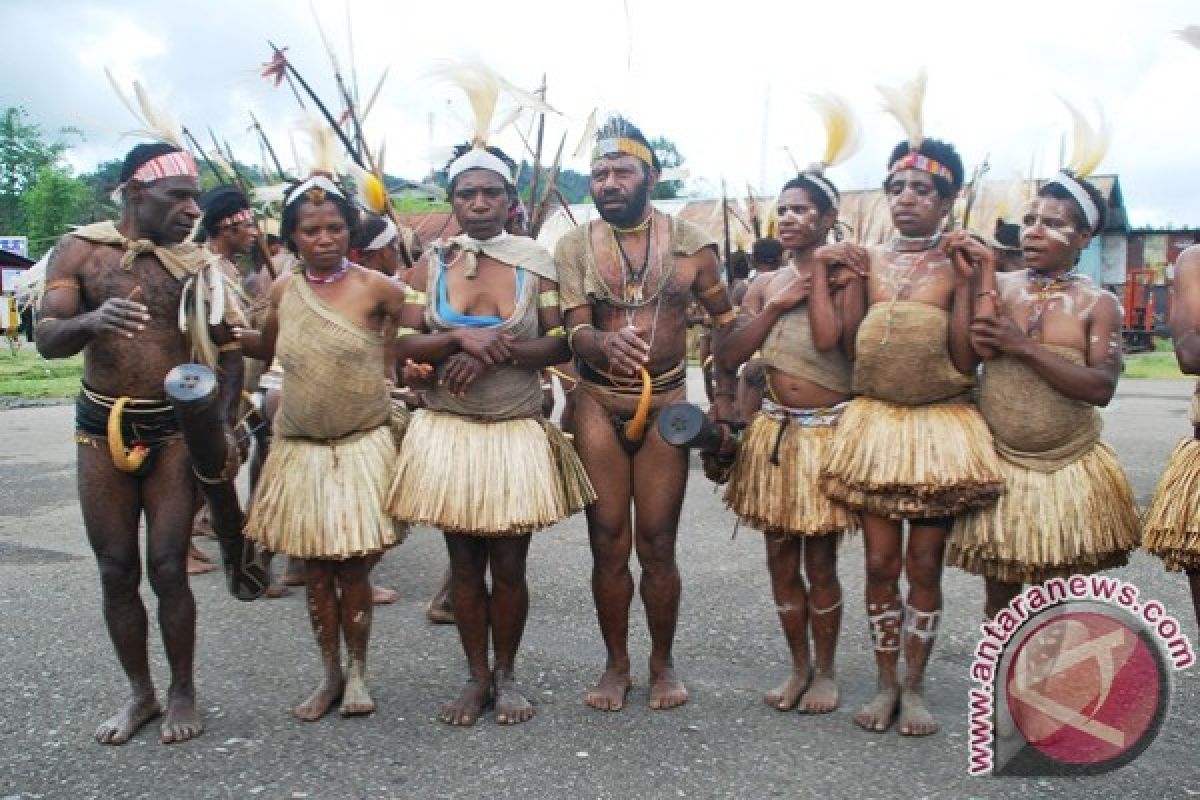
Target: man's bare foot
x=821 y=697
x=470 y=703
x=293 y=575
x=321 y=700
x=277 y=590
x=120 y=727
x=877 y=715
x=609 y=692
x=439 y=614
x=383 y=597
x=198 y=567
x=182 y=721
x=356 y=700
x=666 y=689
x=915 y=719
x=785 y=696
x=512 y=707
x=197 y=553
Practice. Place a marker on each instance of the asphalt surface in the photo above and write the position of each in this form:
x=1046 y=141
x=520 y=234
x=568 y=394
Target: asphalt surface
x=257 y=660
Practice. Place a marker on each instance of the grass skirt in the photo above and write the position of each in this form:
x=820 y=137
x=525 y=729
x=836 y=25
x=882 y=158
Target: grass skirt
x=326 y=500
x=784 y=497
x=486 y=478
x=1172 y=522
x=1078 y=519
x=912 y=462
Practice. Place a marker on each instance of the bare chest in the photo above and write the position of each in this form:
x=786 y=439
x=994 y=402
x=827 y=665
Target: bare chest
x=924 y=277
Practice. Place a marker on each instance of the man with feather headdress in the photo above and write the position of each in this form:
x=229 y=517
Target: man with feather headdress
x=910 y=446
x=121 y=292
x=1052 y=356
x=626 y=281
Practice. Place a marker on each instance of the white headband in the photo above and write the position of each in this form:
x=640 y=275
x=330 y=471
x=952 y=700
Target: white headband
x=824 y=186
x=315 y=182
x=1069 y=182
x=478 y=158
x=385 y=236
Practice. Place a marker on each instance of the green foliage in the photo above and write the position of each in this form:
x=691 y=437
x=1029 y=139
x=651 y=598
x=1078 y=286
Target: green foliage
x=54 y=202
x=24 y=151
x=417 y=205
x=1152 y=366
x=27 y=374
x=669 y=157
x=573 y=185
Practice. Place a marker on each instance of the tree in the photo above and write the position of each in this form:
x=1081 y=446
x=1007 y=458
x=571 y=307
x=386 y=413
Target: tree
x=24 y=151
x=670 y=158
x=55 y=201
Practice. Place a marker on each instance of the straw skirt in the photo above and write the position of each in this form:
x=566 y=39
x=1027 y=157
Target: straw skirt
x=1172 y=522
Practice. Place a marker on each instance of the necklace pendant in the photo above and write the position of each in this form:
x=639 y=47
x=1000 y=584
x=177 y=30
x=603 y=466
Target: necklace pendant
x=633 y=293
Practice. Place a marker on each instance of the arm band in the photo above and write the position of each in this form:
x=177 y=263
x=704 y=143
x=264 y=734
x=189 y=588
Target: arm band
x=229 y=347
x=548 y=299
x=712 y=291
x=556 y=331
x=724 y=318
x=405 y=332
x=574 y=331
x=414 y=298
x=62 y=283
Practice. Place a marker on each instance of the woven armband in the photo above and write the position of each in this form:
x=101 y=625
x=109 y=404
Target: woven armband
x=548 y=299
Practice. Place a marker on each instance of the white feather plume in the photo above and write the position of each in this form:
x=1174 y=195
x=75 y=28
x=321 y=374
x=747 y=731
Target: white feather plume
x=842 y=132
x=1089 y=144
x=906 y=103
x=324 y=153
x=483 y=88
x=154 y=121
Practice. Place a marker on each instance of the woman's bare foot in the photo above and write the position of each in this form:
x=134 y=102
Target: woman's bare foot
x=470 y=703
x=915 y=719
x=182 y=721
x=356 y=700
x=293 y=574
x=321 y=700
x=512 y=707
x=666 y=689
x=197 y=553
x=877 y=715
x=609 y=692
x=785 y=696
x=120 y=727
x=277 y=590
x=198 y=562
x=383 y=597
x=821 y=697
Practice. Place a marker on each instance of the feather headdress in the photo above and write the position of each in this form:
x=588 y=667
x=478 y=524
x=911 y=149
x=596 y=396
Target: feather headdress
x=154 y=121
x=842 y=132
x=906 y=103
x=1088 y=148
x=324 y=150
x=369 y=190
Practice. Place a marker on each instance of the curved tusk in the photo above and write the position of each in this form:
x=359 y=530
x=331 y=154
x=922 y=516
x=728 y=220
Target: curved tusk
x=635 y=429
x=122 y=458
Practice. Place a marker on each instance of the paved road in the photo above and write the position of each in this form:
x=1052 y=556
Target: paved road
x=256 y=660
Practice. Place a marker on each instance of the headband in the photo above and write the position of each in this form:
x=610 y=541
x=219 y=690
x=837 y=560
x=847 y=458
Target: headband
x=623 y=145
x=318 y=182
x=822 y=184
x=478 y=158
x=238 y=217
x=914 y=160
x=1069 y=182
x=384 y=238
x=168 y=165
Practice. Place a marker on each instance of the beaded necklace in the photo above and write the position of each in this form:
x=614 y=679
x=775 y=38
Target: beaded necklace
x=324 y=280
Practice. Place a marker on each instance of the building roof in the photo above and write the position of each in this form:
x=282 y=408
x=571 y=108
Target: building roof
x=11 y=260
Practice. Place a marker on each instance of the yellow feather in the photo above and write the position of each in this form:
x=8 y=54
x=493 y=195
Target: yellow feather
x=369 y=189
x=1089 y=144
x=842 y=132
x=906 y=103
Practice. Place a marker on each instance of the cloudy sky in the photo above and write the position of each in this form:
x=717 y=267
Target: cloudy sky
x=727 y=85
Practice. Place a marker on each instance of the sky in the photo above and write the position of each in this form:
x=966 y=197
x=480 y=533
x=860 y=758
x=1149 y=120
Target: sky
x=727 y=83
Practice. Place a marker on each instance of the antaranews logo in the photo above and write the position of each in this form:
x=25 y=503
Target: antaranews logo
x=1073 y=677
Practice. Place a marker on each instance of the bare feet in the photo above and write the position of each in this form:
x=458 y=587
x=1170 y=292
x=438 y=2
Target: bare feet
x=877 y=715
x=182 y=721
x=439 y=614
x=321 y=700
x=121 y=726
x=785 y=696
x=466 y=708
x=915 y=719
x=822 y=696
x=198 y=562
x=512 y=708
x=356 y=700
x=609 y=692
x=293 y=575
x=383 y=597
x=277 y=590
x=666 y=689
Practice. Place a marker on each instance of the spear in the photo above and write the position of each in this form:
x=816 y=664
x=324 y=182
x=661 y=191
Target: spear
x=551 y=184
x=725 y=226
x=973 y=193
x=290 y=70
x=267 y=144
x=208 y=162
x=557 y=191
x=537 y=155
x=244 y=186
